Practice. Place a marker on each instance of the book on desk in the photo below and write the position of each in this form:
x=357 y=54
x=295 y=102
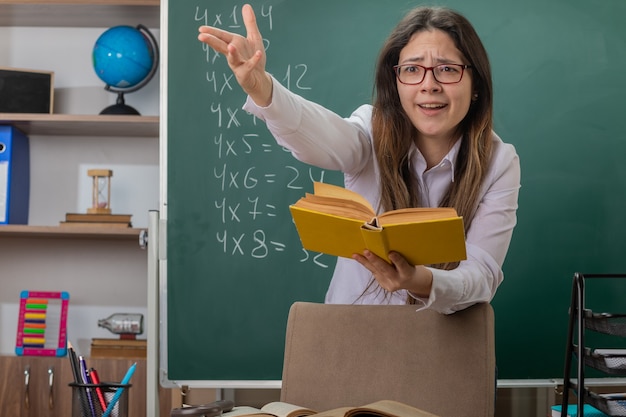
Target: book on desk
x=118 y=348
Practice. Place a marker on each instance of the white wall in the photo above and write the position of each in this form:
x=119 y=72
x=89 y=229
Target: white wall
x=101 y=277
x=67 y=52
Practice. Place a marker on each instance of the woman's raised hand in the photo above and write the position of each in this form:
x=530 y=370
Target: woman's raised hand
x=245 y=56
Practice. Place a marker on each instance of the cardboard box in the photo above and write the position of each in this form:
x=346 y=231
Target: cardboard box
x=26 y=91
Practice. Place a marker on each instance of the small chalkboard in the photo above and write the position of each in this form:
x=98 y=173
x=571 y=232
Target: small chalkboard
x=26 y=91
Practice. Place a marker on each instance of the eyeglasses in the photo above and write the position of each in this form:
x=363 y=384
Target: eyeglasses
x=445 y=73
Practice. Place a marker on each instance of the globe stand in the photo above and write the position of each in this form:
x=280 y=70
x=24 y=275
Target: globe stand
x=102 y=52
x=120 y=107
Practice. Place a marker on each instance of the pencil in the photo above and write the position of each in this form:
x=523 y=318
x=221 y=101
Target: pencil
x=71 y=354
x=78 y=379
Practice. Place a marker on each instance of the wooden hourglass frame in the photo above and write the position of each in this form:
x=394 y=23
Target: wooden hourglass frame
x=101 y=191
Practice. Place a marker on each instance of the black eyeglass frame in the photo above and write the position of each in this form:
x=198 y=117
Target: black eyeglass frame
x=396 y=70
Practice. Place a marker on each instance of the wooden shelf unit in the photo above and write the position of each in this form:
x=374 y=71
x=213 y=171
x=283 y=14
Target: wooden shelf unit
x=79 y=13
x=72 y=14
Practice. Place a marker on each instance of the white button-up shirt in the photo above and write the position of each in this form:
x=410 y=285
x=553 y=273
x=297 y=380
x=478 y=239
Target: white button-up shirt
x=319 y=137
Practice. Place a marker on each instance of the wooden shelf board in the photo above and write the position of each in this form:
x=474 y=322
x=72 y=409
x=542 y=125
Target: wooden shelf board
x=83 y=125
x=79 y=13
x=95 y=232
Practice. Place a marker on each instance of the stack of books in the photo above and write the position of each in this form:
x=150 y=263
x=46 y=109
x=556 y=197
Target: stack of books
x=97 y=220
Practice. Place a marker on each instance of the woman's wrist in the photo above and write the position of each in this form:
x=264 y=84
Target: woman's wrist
x=422 y=283
x=262 y=96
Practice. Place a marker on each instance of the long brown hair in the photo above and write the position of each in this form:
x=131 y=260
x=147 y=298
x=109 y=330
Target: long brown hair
x=394 y=133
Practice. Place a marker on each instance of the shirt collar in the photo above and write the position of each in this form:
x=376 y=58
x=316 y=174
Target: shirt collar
x=451 y=157
x=448 y=160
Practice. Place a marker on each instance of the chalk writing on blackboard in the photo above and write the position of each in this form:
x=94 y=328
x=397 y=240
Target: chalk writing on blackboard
x=248 y=192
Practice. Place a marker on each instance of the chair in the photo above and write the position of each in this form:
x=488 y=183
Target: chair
x=351 y=355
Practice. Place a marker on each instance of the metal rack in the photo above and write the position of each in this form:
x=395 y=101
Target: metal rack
x=608 y=361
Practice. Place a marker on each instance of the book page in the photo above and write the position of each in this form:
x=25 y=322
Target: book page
x=245 y=411
x=413 y=215
x=282 y=409
x=335 y=206
x=335 y=412
x=388 y=408
x=383 y=408
x=330 y=190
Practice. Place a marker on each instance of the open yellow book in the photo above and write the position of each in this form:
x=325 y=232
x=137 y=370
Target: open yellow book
x=340 y=222
x=383 y=408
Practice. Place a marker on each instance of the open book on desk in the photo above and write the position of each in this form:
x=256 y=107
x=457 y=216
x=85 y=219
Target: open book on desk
x=340 y=222
x=383 y=408
x=273 y=409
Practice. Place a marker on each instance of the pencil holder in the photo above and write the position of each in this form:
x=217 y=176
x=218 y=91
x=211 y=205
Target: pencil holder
x=92 y=400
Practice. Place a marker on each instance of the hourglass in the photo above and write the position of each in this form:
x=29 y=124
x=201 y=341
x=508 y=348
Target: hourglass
x=101 y=191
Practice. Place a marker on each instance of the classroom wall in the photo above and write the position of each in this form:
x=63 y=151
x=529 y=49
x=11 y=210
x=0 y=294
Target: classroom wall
x=67 y=52
x=111 y=276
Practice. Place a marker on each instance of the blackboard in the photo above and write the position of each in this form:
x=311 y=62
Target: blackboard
x=234 y=262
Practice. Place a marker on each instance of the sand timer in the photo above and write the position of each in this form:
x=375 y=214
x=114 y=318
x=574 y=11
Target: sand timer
x=101 y=191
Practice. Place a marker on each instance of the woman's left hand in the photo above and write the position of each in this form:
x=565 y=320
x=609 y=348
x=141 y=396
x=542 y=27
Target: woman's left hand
x=399 y=275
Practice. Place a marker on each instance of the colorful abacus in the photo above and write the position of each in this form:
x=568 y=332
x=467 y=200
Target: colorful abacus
x=42 y=323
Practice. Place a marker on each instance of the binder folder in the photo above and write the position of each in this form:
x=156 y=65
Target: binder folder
x=14 y=176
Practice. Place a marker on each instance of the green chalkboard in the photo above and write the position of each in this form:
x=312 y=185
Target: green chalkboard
x=234 y=261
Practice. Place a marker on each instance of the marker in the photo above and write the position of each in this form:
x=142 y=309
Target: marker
x=118 y=393
x=96 y=380
x=86 y=380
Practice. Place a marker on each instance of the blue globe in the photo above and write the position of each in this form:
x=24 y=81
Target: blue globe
x=123 y=57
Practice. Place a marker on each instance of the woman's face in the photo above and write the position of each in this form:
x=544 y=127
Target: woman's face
x=435 y=109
